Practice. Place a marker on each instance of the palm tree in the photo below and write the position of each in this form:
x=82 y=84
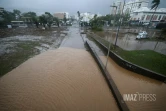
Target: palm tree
x=155 y=4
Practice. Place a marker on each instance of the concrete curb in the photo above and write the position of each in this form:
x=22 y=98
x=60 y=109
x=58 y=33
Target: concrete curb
x=132 y=67
x=120 y=102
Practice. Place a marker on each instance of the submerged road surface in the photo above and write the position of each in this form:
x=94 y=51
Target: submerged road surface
x=65 y=79
x=150 y=93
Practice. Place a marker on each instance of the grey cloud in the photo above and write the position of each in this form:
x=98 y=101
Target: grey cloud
x=71 y=6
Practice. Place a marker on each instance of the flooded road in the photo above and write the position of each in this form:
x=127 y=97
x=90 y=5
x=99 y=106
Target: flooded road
x=57 y=80
x=128 y=42
x=74 y=39
x=131 y=83
x=65 y=79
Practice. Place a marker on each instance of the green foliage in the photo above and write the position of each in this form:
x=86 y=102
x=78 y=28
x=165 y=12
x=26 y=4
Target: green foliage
x=49 y=18
x=78 y=14
x=46 y=18
x=65 y=19
x=155 y=4
x=17 y=13
x=29 y=14
x=43 y=20
x=56 y=20
x=101 y=20
x=7 y=17
x=32 y=15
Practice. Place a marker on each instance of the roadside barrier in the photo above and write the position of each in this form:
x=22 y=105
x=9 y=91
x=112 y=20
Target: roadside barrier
x=120 y=102
x=132 y=67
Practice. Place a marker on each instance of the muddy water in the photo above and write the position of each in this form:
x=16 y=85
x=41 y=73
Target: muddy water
x=130 y=83
x=74 y=39
x=128 y=42
x=65 y=79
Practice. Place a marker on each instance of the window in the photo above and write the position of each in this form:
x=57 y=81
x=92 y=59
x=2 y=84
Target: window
x=155 y=17
x=139 y=5
x=136 y=13
x=159 y=17
x=148 y=17
x=143 y=17
x=164 y=17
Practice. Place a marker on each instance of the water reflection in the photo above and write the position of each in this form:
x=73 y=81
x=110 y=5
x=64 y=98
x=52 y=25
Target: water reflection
x=128 y=42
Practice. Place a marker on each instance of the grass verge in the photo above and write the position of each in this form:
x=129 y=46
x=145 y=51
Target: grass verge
x=145 y=58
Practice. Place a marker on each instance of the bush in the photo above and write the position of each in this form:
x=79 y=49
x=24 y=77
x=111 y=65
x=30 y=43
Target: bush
x=97 y=28
x=161 y=25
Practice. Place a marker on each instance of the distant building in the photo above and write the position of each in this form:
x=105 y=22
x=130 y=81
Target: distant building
x=132 y=6
x=144 y=14
x=1 y=9
x=86 y=17
x=139 y=11
x=61 y=15
x=119 y=5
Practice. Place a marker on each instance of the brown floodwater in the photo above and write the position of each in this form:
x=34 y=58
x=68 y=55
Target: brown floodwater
x=129 y=42
x=65 y=79
x=131 y=83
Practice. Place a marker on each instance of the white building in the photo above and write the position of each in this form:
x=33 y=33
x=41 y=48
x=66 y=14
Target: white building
x=134 y=5
x=119 y=5
x=138 y=10
x=144 y=14
x=86 y=17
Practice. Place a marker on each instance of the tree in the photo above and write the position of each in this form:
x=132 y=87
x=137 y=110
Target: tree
x=43 y=20
x=49 y=19
x=65 y=19
x=56 y=20
x=155 y=4
x=29 y=14
x=17 y=13
x=7 y=17
x=78 y=14
x=46 y=18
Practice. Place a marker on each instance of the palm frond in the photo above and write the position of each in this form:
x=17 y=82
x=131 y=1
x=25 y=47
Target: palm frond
x=155 y=4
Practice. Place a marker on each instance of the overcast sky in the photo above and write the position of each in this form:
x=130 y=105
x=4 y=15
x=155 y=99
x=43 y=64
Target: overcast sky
x=71 y=6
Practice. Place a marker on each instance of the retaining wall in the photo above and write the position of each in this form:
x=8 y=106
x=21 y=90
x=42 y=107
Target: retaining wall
x=132 y=67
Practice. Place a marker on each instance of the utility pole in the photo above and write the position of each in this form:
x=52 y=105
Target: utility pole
x=111 y=36
x=120 y=21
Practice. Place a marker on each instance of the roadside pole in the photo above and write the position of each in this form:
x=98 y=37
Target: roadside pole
x=117 y=34
x=111 y=36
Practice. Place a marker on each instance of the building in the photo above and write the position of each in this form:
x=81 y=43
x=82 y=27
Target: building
x=119 y=8
x=86 y=17
x=61 y=15
x=144 y=14
x=132 y=6
x=1 y=9
x=139 y=11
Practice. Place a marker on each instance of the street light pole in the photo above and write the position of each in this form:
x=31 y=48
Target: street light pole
x=117 y=34
x=111 y=36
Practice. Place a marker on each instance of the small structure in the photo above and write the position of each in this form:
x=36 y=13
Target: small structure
x=18 y=24
x=61 y=15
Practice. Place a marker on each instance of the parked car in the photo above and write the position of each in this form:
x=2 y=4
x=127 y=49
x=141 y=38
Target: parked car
x=142 y=35
x=145 y=24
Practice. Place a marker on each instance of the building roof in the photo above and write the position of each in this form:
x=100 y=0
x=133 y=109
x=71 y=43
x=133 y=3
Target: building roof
x=146 y=9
